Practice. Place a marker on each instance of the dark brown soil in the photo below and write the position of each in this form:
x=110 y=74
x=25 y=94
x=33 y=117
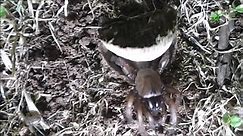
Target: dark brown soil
x=78 y=94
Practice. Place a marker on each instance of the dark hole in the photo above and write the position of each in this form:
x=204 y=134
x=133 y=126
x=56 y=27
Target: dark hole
x=72 y=16
x=91 y=46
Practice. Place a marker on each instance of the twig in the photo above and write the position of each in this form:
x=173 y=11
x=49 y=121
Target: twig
x=53 y=35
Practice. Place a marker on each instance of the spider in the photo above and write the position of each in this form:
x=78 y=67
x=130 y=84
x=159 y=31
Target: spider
x=150 y=98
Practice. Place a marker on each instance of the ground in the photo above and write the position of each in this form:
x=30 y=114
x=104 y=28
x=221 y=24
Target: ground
x=53 y=77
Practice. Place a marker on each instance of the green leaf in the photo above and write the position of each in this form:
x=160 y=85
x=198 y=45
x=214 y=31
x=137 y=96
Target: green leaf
x=226 y=118
x=3 y=11
x=215 y=16
x=239 y=8
x=235 y=121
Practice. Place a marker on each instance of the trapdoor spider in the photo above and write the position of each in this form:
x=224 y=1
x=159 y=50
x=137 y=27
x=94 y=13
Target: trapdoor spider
x=150 y=97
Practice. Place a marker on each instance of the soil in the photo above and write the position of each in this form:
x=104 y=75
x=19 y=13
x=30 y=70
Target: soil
x=76 y=92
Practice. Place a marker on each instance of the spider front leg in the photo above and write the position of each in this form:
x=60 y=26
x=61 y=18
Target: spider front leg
x=149 y=117
x=119 y=64
x=126 y=68
x=173 y=99
x=141 y=127
x=109 y=57
x=163 y=118
x=130 y=101
x=140 y=110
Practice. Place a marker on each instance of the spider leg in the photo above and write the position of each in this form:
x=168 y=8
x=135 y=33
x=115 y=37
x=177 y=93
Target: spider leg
x=119 y=64
x=149 y=117
x=130 y=101
x=110 y=59
x=173 y=99
x=163 y=113
x=173 y=112
x=127 y=68
x=168 y=57
x=141 y=127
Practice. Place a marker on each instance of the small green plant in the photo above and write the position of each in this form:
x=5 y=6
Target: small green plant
x=238 y=8
x=215 y=16
x=232 y=120
x=3 y=12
